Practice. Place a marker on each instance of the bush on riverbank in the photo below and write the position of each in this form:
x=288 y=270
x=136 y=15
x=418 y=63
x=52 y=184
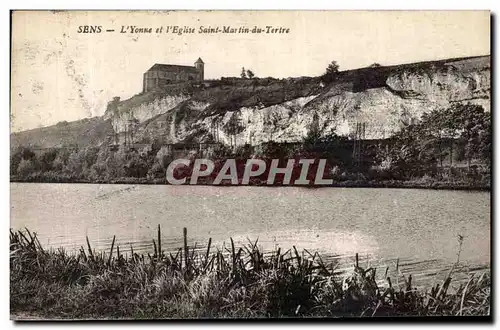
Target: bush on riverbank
x=449 y=148
x=117 y=170
x=237 y=283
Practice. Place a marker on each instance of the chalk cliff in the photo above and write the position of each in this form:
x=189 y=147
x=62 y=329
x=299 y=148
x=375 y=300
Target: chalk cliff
x=260 y=110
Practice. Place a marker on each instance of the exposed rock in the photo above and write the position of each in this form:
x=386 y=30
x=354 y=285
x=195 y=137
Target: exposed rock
x=282 y=110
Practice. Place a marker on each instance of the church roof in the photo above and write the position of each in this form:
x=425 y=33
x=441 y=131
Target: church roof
x=199 y=60
x=172 y=68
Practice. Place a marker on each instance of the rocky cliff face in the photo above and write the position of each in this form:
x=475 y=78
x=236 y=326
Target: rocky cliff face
x=245 y=111
x=403 y=95
x=143 y=111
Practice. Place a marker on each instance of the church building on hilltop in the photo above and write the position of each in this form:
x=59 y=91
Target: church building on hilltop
x=160 y=75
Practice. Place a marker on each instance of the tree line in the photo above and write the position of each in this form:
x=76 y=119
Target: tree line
x=460 y=133
x=459 y=136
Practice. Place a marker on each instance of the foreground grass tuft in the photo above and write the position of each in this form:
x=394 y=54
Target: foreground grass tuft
x=240 y=282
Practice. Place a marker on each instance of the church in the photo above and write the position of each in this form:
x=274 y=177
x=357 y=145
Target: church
x=161 y=75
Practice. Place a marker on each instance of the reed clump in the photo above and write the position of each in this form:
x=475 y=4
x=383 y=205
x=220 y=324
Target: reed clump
x=236 y=282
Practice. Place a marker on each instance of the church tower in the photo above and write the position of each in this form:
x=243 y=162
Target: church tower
x=200 y=66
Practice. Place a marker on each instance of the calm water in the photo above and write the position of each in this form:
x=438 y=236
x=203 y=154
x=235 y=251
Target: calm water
x=420 y=227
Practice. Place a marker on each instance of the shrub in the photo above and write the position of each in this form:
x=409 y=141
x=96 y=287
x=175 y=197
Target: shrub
x=239 y=282
x=25 y=167
x=331 y=73
x=47 y=159
x=19 y=154
x=156 y=171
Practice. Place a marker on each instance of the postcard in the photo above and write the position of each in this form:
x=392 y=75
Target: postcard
x=250 y=164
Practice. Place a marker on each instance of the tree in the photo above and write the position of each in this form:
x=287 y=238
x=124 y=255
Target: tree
x=156 y=171
x=74 y=166
x=243 y=73
x=25 y=167
x=250 y=74
x=314 y=133
x=484 y=148
x=328 y=145
x=47 y=159
x=432 y=126
x=271 y=122
x=115 y=164
x=332 y=68
x=98 y=170
x=410 y=154
x=375 y=65
x=135 y=165
x=331 y=72
x=221 y=151
x=417 y=147
x=244 y=151
x=61 y=160
x=164 y=157
x=112 y=106
x=19 y=154
x=234 y=126
x=464 y=125
x=132 y=125
x=474 y=129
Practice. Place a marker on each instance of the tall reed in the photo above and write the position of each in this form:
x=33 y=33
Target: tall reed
x=228 y=283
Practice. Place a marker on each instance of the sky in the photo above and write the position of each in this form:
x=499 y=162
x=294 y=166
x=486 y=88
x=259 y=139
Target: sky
x=59 y=74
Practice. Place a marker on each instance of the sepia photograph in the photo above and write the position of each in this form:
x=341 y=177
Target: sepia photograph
x=243 y=164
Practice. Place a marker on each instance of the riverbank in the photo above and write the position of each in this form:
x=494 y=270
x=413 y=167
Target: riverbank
x=239 y=282
x=424 y=183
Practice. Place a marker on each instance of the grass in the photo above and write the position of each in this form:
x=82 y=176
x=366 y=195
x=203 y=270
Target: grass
x=237 y=282
x=83 y=132
x=409 y=184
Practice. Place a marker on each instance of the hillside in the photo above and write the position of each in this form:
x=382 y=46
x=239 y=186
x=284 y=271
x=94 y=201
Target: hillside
x=259 y=110
x=88 y=131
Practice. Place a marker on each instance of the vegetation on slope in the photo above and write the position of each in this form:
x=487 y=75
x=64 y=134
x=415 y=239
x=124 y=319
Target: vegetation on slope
x=230 y=94
x=81 y=133
x=449 y=148
x=239 y=282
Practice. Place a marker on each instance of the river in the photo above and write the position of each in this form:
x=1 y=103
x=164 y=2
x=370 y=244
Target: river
x=419 y=227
